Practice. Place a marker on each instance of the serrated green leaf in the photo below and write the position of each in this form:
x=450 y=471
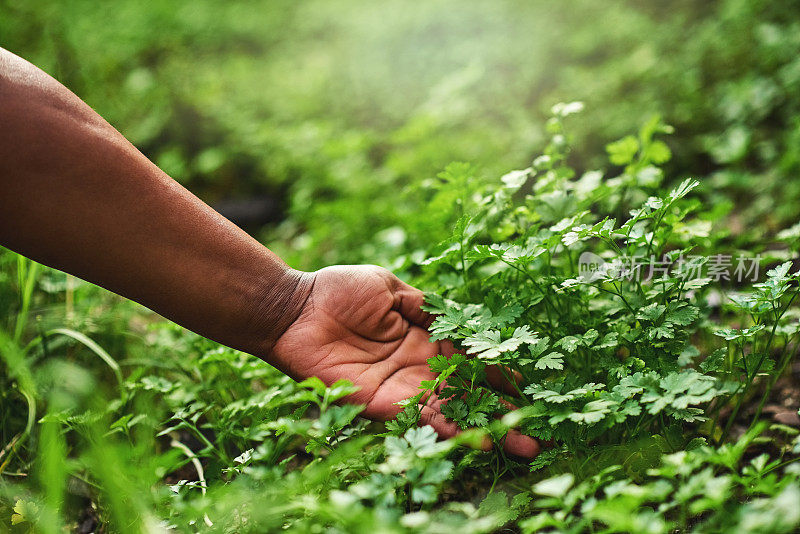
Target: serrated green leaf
x=553 y=360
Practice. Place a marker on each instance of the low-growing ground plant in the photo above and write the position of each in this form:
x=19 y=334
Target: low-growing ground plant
x=605 y=324
x=640 y=345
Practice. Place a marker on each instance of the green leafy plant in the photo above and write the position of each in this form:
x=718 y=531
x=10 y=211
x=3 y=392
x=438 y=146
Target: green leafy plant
x=598 y=295
x=599 y=358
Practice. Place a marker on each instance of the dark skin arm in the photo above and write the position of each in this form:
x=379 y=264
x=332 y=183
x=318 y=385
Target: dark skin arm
x=76 y=195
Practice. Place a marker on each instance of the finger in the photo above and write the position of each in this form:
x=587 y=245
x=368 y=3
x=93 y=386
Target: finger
x=515 y=443
x=446 y=348
x=409 y=301
x=501 y=378
x=429 y=416
x=521 y=445
x=508 y=405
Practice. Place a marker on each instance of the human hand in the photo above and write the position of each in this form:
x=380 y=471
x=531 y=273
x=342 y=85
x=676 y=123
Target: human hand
x=363 y=324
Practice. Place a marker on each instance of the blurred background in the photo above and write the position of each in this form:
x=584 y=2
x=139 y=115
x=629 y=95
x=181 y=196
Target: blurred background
x=316 y=124
x=320 y=127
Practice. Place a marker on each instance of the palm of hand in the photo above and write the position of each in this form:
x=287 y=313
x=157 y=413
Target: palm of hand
x=363 y=324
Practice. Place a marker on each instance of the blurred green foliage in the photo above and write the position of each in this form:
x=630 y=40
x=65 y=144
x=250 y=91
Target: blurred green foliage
x=341 y=109
x=346 y=112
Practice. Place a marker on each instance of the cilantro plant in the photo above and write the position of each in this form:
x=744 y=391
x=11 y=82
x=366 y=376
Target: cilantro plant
x=591 y=293
x=597 y=295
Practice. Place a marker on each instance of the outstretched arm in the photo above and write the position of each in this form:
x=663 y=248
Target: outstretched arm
x=76 y=195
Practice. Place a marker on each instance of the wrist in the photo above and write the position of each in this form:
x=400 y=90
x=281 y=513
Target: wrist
x=276 y=302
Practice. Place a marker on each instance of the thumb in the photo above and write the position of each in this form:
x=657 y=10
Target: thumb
x=408 y=300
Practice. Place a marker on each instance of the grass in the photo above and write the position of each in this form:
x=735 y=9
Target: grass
x=655 y=394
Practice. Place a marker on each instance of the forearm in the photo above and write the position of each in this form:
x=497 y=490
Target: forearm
x=75 y=195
